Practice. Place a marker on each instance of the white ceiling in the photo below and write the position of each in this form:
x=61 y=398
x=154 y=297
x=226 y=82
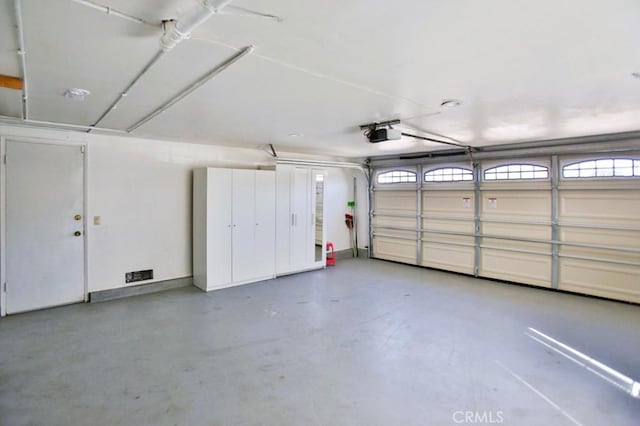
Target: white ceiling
x=523 y=70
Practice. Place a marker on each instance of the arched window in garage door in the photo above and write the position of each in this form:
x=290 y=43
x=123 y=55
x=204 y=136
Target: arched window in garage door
x=397 y=176
x=448 y=174
x=602 y=168
x=516 y=172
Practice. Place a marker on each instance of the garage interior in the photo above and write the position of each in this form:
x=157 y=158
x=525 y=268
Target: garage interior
x=355 y=212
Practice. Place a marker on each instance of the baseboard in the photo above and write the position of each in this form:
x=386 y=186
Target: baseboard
x=348 y=254
x=119 y=293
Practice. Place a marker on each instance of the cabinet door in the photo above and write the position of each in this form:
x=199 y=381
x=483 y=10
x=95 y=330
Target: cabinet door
x=301 y=223
x=284 y=219
x=243 y=247
x=219 y=224
x=265 y=226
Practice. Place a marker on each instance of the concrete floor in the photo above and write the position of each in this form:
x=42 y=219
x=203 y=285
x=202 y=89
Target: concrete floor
x=364 y=343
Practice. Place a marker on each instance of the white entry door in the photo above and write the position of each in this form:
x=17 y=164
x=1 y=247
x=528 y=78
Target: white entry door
x=44 y=226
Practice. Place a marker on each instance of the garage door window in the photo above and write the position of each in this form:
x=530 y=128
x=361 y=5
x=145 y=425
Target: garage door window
x=603 y=167
x=448 y=174
x=397 y=176
x=516 y=172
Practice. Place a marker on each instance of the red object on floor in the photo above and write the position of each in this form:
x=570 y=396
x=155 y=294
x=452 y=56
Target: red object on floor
x=331 y=256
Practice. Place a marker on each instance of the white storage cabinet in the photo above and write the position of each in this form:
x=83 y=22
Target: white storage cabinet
x=296 y=219
x=233 y=227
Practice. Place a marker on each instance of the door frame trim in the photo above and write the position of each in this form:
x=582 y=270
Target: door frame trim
x=3 y=201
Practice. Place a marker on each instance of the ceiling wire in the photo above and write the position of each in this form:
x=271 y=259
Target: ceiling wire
x=424 y=138
x=315 y=73
x=416 y=128
x=251 y=13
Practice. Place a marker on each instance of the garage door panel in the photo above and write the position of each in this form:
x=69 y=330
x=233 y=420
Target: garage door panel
x=519 y=267
x=452 y=204
x=600 y=270
x=523 y=205
x=448 y=225
x=516 y=230
x=600 y=279
x=521 y=246
x=395 y=249
x=449 y=257
x=395 y=202
x=609 y=237
x=600 y=254
x=447 y=238
x=398 y=222
x=598 y=207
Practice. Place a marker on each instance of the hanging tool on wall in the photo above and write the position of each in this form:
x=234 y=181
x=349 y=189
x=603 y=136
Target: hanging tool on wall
x=348 y=220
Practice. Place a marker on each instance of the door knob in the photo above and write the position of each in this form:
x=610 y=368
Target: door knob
x=77 y=217
x=77 y=233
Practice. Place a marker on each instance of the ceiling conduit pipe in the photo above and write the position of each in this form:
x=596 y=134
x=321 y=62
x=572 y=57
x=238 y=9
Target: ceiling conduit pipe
x=13 y=121
x=175 y=32
x=23 y=59
x=114 y=12
x=192 y=87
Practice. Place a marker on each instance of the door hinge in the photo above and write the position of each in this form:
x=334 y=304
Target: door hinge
x=82 y=149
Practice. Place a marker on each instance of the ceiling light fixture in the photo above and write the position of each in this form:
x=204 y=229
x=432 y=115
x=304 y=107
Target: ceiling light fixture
x=76 y=94
x=450 y=103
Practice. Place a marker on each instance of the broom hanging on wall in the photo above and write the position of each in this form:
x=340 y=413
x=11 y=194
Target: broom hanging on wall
x=348 y=220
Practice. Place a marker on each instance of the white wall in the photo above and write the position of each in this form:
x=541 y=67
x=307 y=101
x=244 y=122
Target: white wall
x=339 y=190
x=141 y=189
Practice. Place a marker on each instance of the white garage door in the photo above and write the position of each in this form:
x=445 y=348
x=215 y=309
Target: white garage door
x=516 y=215
x=395 y=216
x=567 y=223
x=599 y=227
x=448 y=219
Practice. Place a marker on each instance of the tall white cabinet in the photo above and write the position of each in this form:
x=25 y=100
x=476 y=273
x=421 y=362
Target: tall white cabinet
x=296 y=219
x=234 y=217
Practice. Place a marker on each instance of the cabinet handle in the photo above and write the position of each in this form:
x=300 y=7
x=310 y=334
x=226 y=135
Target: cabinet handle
x=292 y=215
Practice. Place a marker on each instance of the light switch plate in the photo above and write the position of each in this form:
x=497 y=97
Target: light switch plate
x=96 y=220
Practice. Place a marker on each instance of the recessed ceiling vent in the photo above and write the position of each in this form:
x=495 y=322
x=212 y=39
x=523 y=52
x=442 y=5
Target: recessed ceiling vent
x=76 y=94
